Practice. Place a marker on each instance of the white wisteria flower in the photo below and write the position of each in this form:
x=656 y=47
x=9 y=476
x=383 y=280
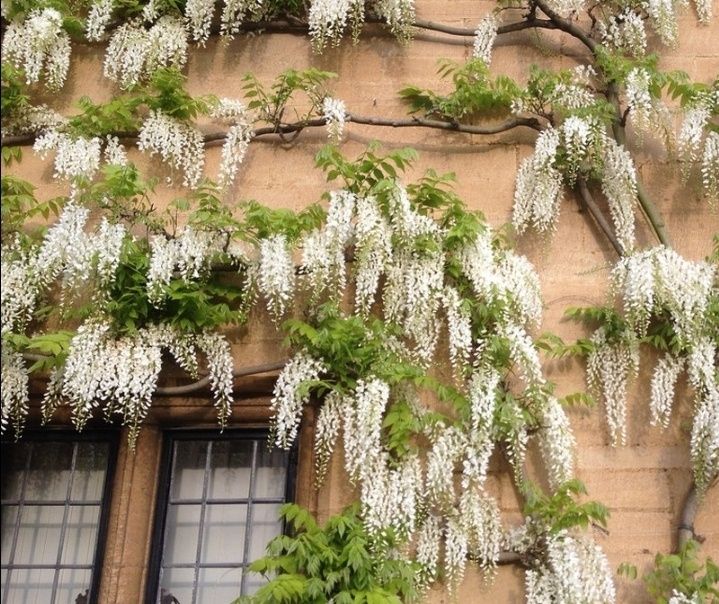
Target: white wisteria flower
x=556 y=443
x=178 y=144
x=220 y=364
x=625 y=32
x=484 y=38
x=373 y=249
x=98 y=18
x=538 y=188
x=39 y=44
x=276 y=277
x=328 y=20
x=198 y=16
x=664 y=380
x=289 y=397
x=15 y=390
x=710 y=167
x=234 y=12
x=399 y=15
x=639 y=100
x=662 y=14
x=334 y=112
x=75 y=157
x=619 y=185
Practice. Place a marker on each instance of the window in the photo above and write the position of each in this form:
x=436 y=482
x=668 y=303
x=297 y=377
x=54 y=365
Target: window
x=219 y=509
x=54 y=514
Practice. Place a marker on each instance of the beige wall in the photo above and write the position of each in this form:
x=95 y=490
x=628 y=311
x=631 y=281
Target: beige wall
x=643 y=483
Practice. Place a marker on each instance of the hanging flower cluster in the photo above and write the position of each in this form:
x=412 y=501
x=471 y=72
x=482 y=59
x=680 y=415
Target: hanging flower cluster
x=485 y=37
x=659 y=283
x=625 y=32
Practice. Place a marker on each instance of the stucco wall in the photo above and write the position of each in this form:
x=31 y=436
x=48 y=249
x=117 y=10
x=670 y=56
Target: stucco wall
x=643 y=483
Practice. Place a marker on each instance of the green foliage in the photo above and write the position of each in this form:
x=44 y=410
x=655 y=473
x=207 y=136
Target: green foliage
x=116 y=116
x=560 y=510
x=12 y=90
x=272 y=104
x=52 y=348
x=475 y=92
x=336 y=562
x=369 y=173
x=20 y=206
x=684 y=573
x=262 y=222
x=166 y=93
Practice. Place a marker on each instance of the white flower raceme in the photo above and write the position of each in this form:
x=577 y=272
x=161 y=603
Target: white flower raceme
x=198 y=16
x=556 y=443
x=75 y=157
x=478 y=265
x=575 y=571
x=288 y=397
x=479 y=514
x=187 y=256
x=710 y=167
x=39 y=44
x=276 y=278
x=238 y=137
x=31 y=119
x=619 y=185
x=538 y=188
x=389 y=497
x=115 y=153
x=663 y=386
x=566 y=7
x=447 y=449
x=18 y=287
x=662 y=15
x=639 y=100
x=704 y=10
x=704 y=443
x=625 y=32
x=363 y=428
x=398 y=14
x=429 y=543
x=523 y=353
x=134 y=52
x=609 y=369
x=456 y=548
x=220 y=364
x=328 y=20
x=323 y=250
x=15 y=390
x=373 y=249
x=691 y=133
x=679 y=598
x=577 y=137
x=178 y=144
x=519 y=282
x=234 y=13
x=484 y=38
x=98 y=19
x=459 y=326
x=327 y=430
x=334 y=112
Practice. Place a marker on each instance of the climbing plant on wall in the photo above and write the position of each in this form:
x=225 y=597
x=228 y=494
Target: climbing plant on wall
x=376 y=285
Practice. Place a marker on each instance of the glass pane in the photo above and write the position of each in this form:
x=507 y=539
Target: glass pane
x=218 y=585
x=49 y=471
x=271 y=476
x=230 y=472
x=80 y=534
x=224 y=538
x=90 y=467
x=14 y=459
x=29 y=587
x=177 y=582
x=73 y=586
x=188 y=470
x=38 y=539
x=181 y=531
x=253 y=585
x=265 y=525
x=7 y=532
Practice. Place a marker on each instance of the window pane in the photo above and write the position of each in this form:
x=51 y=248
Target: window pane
x=49 y=471
x=188 y=472
x=224 y=538
x=7 y=532
x=80 y=534
x=73 y=586
x=29 y=587
x=265 y=525
x=177 y=582
x=90 y=466
x=218 y=585
x=182 y=529
x=230 y=473
x=38 y=539
x=14 y=459
x=271 y=476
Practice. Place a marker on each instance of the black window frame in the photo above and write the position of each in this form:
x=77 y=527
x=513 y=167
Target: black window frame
x=162 y=499
x=112 y=438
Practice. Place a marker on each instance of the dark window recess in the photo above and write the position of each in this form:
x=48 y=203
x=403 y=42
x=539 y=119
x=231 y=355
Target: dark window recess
x=220 y=508
x=55 y=490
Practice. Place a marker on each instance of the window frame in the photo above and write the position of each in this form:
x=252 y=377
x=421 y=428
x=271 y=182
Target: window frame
x=112 y=438
x=164 y=476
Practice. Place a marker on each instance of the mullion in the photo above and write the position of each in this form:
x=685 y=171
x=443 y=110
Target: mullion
x=52 y=502
x=63 y=527
x=225 y=501
x=46 y=566
x=248 y=519
x=201 y=528
x=18 y=516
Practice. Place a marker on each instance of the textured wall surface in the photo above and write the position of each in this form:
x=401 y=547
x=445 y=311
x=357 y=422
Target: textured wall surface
x=643 y=483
